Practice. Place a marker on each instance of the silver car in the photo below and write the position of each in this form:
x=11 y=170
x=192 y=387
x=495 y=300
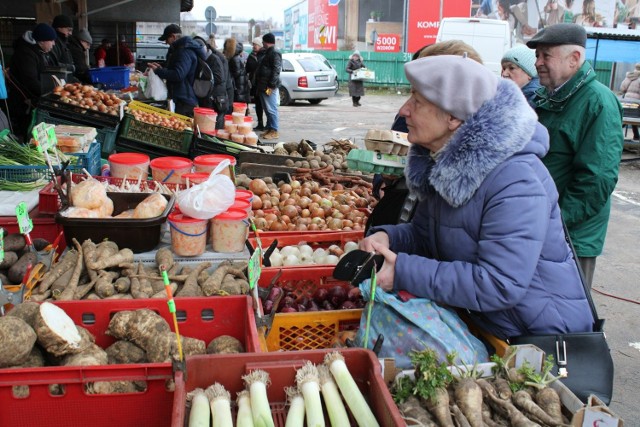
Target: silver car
x=307 y=76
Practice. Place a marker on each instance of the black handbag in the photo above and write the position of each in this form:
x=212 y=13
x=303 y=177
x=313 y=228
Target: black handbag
x=582 y=359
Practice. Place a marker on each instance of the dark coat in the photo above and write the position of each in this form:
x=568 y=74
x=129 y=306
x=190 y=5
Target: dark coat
x=61 y=52
x=268 y=73
x=218 y=64
x=181 y=70
x=487 y=234
x=27 y=62
x=356 y=87
x=233 y=52
x=79 y=60
x=252 y=66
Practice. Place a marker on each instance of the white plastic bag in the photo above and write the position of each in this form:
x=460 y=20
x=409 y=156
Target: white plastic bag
x=210 y=198
x=155 y=89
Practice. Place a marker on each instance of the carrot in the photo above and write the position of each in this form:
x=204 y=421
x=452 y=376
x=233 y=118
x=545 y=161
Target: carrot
x=68 y=292
x=523 y=400
x=517 y=418
x=549 y=401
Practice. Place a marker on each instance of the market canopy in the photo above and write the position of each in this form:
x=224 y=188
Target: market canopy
x=613 y=45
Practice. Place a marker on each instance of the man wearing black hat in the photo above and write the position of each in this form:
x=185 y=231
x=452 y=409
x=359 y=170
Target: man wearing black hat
x=30 y=58
x=180 y=71
x=267 y=78
x=79 y=45
x=584 y=120
x=64 y=28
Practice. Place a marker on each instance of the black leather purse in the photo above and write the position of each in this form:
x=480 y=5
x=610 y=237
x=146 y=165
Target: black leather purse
x=583 y=360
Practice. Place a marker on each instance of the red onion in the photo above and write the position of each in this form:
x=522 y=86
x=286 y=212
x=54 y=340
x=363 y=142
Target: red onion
x=337 y=295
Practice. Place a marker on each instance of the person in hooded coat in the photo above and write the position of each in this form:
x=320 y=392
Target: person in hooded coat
x=233 y=52
x=31 y=56
x=79 y=44
x=220 y=68
x=356 y=87
x=64 y=28
x=180 y=70
x=487 y=234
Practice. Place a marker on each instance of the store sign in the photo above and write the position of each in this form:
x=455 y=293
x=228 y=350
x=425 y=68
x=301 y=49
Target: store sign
x=424 y=19
x=387 y=43
x=322 y=25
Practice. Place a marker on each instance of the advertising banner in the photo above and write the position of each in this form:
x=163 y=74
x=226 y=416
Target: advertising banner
x=323 y=25
x=424 y=19
x=296 y=19
x=387 y=43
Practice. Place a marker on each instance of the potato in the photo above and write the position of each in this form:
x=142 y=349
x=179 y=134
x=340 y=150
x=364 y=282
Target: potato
x=18 y=270
x=10 y=258
x=40 y=243
x=225 y=344
x=16 y=341
x=27 y=311
x=14 y=242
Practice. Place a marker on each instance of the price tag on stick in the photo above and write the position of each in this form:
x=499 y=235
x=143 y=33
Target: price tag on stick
x=1 y=244
x=24 y=222
x=254 y=270
x=370 y=306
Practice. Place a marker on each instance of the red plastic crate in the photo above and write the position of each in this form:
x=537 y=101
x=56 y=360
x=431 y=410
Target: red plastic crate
x=312 y=329
x=320 y=239
x=44 y=226
x=203 y=371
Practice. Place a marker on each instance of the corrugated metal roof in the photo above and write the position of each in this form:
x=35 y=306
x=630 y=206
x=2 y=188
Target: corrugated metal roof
x=613 y=33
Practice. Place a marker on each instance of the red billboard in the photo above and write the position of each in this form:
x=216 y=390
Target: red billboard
x=387 y=43
x=424 y=19
x=323 y=25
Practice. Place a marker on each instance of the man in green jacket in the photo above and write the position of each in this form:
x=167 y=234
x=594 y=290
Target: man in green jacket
x=584 y=120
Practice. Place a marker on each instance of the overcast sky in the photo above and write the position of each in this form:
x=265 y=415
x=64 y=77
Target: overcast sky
x=245 y=9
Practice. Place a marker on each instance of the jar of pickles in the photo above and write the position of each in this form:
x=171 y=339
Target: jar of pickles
x=229 y=231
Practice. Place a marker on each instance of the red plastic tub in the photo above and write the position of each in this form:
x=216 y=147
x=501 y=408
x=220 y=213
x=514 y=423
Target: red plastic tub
x=129 y=165
x=244 y=195
x=170 y=169
x=228 y=370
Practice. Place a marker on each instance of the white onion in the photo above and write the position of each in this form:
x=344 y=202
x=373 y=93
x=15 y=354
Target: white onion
x=276 y=259
x=331 y=259
x=290 y=250
x=291 y=260
x=305 y=250
x=306 y=260
x=319 y=254
x=349 y=246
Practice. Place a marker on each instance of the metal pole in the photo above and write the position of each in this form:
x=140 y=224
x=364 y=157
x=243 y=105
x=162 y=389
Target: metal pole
x=405 y=30
x=441 y=9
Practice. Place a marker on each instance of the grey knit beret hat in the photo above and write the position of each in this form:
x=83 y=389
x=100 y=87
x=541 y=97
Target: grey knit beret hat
x=457 y=85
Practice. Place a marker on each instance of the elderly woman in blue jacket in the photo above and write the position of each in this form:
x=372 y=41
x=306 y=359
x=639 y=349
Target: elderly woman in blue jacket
x=487 y=234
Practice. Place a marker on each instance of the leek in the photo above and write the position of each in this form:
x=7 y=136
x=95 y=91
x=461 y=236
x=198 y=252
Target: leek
x=332 y=399
x=244 y=419
x=220 y=402
x=295 y=415
x=349 y=389
x=200 y=414
x=257 y=382
x=308 y=382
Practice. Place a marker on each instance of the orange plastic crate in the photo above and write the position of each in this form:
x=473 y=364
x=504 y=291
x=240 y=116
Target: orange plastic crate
x=307 y=330
x=363 y=365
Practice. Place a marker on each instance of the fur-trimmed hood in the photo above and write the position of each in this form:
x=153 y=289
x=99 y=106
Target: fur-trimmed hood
x=504 y=126
x=229 y=49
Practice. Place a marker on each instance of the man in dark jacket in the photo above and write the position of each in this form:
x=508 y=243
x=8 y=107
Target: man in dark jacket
x=233 y=52
x=218 y=64
x=64 y=27
x=252 y=66
x=79 y=45
x=268 y=84
x=584 y=120
x=181 y=69
x=30 y=58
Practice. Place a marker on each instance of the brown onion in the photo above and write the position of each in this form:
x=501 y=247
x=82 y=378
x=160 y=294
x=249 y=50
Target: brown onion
x=256 y=203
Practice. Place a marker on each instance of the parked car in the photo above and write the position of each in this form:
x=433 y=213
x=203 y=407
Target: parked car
x=306 y=76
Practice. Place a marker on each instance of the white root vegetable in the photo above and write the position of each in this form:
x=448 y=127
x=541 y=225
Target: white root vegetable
x=220 y=402
x=308 y=381
x=244 y=418
x=200 y=413
x=257 y=381
x=57 y=333
x=295 y=415
x=332 y=399
x=349 y=389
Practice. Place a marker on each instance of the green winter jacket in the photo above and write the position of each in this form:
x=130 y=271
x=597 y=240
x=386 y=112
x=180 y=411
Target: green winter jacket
x=584 y=119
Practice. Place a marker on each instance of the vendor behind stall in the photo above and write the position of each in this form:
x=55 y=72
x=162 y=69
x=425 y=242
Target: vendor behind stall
x=487 y=234
x=79 y=45
x=30 y=59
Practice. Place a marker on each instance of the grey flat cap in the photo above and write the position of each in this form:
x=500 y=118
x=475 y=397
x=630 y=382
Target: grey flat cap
x=560 y=34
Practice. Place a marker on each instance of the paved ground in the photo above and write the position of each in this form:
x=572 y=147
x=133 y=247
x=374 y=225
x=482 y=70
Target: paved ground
x=616 y=289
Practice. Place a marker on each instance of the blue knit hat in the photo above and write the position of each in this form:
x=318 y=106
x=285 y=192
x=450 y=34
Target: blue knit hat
x=524 y=58
x=44 y=33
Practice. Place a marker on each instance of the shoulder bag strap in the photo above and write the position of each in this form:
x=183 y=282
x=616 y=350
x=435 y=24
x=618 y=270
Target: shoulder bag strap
x=598 y=323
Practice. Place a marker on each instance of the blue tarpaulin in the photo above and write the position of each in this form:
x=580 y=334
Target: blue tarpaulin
x=613 y=50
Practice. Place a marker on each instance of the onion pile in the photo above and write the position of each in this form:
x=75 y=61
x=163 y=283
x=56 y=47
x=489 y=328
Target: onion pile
x=302 y=206
x=170 y=122
x=289 y=299
x=87 y=96
x=304 y=254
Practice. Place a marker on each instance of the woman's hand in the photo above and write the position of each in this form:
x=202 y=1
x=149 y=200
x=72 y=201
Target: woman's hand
x=386 y=275
x=380 y=237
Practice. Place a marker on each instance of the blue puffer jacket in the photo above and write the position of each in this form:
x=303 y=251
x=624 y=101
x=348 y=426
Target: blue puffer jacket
x=487 y=234
x=181 y=70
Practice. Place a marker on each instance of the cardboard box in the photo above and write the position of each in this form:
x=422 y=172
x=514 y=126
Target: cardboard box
x=363 y=74
x=596 y=413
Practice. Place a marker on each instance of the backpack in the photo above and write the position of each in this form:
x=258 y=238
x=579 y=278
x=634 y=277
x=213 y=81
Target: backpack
x=203 y=81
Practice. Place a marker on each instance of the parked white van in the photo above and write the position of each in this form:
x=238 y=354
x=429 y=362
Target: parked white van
x=491 y=38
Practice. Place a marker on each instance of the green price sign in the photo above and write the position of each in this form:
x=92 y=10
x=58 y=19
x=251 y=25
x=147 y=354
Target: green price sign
x=24 y=222
x=45 y=136
x=370 y=307
x=255 y=267
x=257 y=233
x=1 y=244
